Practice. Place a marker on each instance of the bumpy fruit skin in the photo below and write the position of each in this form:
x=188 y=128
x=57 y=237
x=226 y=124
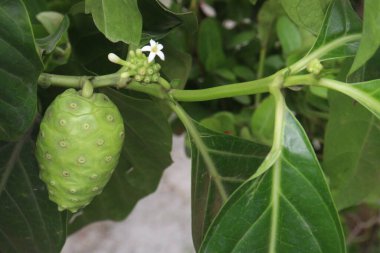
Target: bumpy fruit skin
x=78 y=147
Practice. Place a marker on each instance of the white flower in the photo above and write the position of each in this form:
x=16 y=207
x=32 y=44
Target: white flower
x=154 y=49
x=114 y=58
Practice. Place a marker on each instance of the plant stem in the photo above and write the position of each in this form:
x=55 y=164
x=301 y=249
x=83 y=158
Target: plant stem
x=238 y=89
x=365 y=99
x=301 y=64
x=116 y=80
x=224 y=91
x=260 y=72
x=275 y=152
x=192 y=130
x=45 y=80
x=121 y=79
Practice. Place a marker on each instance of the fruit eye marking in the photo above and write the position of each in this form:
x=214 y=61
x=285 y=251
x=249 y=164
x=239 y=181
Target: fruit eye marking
x=62 y=122
x=94 y=189
x=72 y=190
x=108 y=158
x=94 y=176
x=51 y=192
x=109 y=117
x=48 y=156
x=121 y=134
x=52 y=182
x=74 y=199
x=86 y=126
x=100 y=142
x=63 y=144
x=42 y=134
x=81 y=159
x=73 y=105
x=65 y=173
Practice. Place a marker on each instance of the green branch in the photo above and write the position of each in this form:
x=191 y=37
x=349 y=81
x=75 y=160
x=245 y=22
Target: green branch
x=160 y=89
x=320 y=52
x=279 y=124
x=117 y=80
x=192 y=130
x=224 y=91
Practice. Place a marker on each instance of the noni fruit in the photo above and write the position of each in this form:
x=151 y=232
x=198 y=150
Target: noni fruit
x=78 y=147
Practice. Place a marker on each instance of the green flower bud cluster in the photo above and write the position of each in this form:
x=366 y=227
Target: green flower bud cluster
x=315 y=67
x=140 y=69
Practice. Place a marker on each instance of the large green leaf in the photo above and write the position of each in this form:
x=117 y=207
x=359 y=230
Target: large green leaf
x=29 y=221
x=34 y=7
x=351 y=157
x=146 y=153
x=370 y=41
x=118 y=20
x=235 y=159
x=90 y=49
x=288 y=209
x=307 y=14
x=288 y=34
x=158 y=20
x=176 y=66
x=351 y=143
x=340 y=20
x=266 y=20
x=20 y=67
x=210 y=44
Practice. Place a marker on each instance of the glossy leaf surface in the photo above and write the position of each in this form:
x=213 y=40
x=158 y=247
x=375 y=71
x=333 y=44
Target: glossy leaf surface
x=306 y=13
x=235 y=159
x=118 y=20
x=370 y=41
x=288 y=209
x=146 y=153
x=20 y=67
x=340 y=20
x=158 y=20
x=29 y=221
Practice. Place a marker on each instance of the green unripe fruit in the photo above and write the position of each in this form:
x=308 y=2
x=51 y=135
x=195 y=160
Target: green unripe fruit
x=78 y=147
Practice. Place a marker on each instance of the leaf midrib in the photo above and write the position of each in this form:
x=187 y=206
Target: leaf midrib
x=275 y=197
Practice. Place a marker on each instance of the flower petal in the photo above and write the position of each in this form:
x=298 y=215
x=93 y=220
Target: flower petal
x=151 y=57
x=161 y=55
x=114 y=58
x=146 y=49
x=160 y=47
x=152 y=43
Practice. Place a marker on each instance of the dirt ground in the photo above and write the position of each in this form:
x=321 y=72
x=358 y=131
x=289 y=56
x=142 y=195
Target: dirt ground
x=160 y=223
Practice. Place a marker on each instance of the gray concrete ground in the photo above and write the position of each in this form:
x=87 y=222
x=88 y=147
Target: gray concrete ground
x=160 y=223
